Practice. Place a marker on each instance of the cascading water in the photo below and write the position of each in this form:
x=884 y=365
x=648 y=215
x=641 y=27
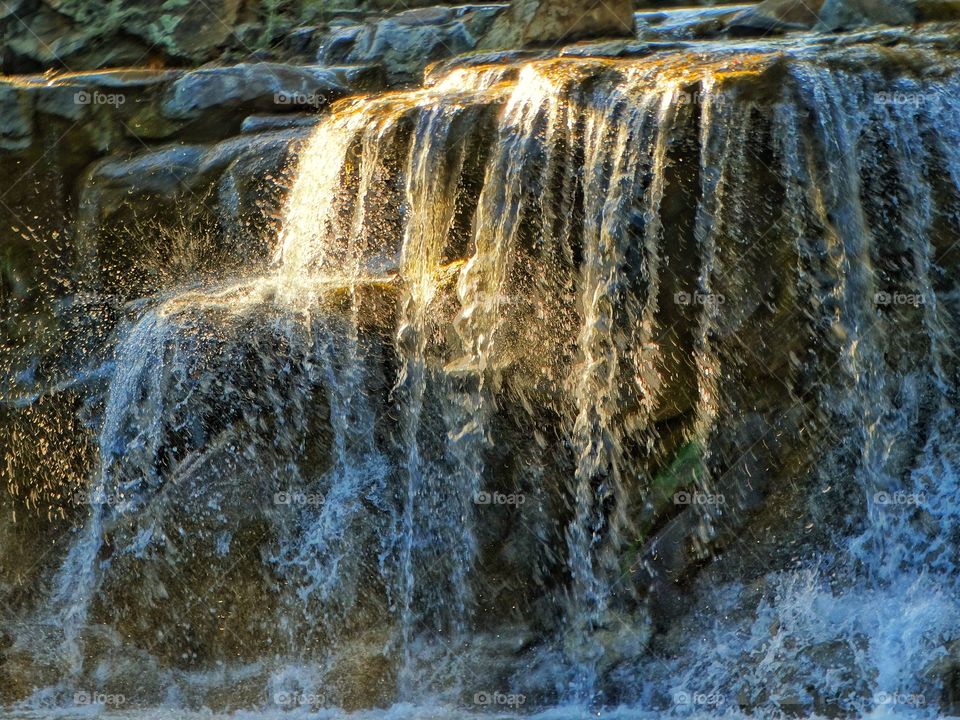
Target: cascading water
x=576 y=386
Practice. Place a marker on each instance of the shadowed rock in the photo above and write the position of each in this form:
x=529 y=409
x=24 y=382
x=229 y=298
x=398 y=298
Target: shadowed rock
x=73 y=33
x=407 y=42
x=546 y=22
x=776 y=16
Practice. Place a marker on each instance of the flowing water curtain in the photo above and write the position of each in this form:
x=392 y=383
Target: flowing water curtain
x=727 y=239
x=215 y=394
x=920 y=356
x=356 y=160
x=849 y=245
x=484 y=290
x=341 y=210
x=133 y=420
x=437 y=547
x=939 y=470
x=626 y=133
x=865 y=245
x=744 y=295
x=722 y=132
x=329 y=552
x=884 y=397
x=307 y=242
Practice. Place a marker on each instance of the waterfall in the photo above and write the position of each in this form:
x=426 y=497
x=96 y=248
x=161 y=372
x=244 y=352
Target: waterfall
x=862 y=227
x=595 y=381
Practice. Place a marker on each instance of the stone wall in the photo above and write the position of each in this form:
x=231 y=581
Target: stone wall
x=86 y=34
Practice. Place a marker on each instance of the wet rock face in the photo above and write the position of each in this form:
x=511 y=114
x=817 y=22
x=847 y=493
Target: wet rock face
x=54 y=129
x=547 y=22
x=143 y=105
x=405 y=43
x=82 y=35
x=261 y=85
x=835 y=15
x=776 y=15
x=137 y=215
x=843 y=14
x=16 y=119
x=75 y=33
